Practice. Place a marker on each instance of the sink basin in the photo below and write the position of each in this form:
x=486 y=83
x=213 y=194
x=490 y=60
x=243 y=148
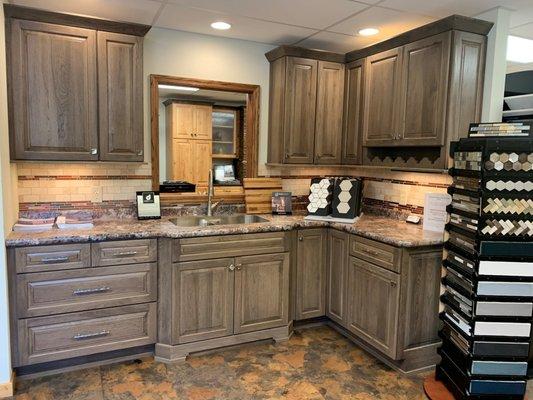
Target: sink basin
x=204 y=220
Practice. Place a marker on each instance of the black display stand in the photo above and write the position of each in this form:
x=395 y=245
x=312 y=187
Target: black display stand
x=487 y=284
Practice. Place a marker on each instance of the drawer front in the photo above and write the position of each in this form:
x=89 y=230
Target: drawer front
x=59 y=337
x=49 y=293
x=52 y=258
x=124 y=252
x=229 y=246
x=378 y=253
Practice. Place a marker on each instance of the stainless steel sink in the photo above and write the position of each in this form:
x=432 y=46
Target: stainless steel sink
x=204 y=220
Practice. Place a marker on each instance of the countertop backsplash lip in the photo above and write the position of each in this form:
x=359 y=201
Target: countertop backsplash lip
x=384 y=229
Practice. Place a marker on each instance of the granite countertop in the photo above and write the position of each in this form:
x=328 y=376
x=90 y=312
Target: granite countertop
x=387 y=230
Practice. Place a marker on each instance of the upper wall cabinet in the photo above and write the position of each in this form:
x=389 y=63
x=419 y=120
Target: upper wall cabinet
x=404 y=101
x=306 y=106
x=75 y=87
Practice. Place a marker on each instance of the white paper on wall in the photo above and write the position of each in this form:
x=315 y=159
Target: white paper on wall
x=435 y=211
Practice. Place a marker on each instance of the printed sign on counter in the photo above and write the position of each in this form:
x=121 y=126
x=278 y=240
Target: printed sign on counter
x=435 y=211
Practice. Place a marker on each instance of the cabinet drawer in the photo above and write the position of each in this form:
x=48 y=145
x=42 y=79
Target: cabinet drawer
x=52 y=258
x=229 y=246
x=72 y=335
x=49 y=293
x=381 y=254
x=124 y=252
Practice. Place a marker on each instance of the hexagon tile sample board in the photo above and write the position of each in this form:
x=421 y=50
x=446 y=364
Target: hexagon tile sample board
x=320 y=196
x=347 y=198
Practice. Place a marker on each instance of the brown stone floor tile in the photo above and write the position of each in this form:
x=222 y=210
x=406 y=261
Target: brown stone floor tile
x=316 y=364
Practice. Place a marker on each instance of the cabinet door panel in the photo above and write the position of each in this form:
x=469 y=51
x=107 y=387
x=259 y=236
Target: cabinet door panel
x=300 y=110
x=120 y=97
x=373 y=297
x=201 y=159
x=382 y=88
x=180 y=160
x=204 y=304
x=337 y=276
x=328 y=125
x=425 y=83
x=261 y=292
x=311 y=274
x=53 y=98
x=203 y=122
x=183 y=118
x=351 y=149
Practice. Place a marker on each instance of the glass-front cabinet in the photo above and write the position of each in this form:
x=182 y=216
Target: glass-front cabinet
x=225 y=128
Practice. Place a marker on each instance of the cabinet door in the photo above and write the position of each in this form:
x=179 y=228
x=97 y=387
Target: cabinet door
x=337 y=269
x=201 y=161
x=183 y=120
x=425 y=84
x=203 y=122
x=52 y=93
x=373 y=299
x=329 y=105
x=382 y=89
x=180 y=160
x=353 y=116
x=311 y=274
x=203 y=306
x=120 y=97
x=261 y=292
x=300 y=110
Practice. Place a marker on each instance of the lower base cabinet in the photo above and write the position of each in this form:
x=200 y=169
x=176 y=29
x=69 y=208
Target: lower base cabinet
x=373 y=301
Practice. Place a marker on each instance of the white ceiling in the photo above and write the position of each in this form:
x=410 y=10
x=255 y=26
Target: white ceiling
x=324 y=24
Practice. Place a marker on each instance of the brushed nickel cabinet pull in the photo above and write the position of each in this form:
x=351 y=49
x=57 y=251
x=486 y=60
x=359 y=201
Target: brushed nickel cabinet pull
x=50 y=260
x=82 y=292
x=127 y=254
x=231 y=267
x=140 y=153
x=85 y=336
x=94 y=151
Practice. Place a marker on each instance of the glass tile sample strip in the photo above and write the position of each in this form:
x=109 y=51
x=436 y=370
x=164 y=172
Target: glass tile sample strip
x=526 y=186
x=511 y=289
x=503 y=309
x=503 y=227
x=465 y=203
x=497 y=387
x=498 y=205
x=518 y=329
x=505 y=368
x=506 y=268
x=459 y=260
x=500 y=349
x=462 y=241
x=464 y=182
x=457 y=321
x=469 y=224
x=470 y=160
x=509 y=162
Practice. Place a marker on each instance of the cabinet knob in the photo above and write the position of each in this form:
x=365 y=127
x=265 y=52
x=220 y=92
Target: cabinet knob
x=239 y=267
x=140 y=153
x=301 y=239
x=231 y=267
x=94 y=151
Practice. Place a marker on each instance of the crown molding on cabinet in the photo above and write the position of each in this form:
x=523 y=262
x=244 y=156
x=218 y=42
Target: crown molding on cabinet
x=295 y=51
x=33 y=14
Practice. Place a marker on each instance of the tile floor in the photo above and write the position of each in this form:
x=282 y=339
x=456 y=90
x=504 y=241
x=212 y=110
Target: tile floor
x=316 y=363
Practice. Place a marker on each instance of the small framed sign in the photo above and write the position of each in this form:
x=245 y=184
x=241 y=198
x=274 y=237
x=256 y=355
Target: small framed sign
x=148 y=206
x=281 y=203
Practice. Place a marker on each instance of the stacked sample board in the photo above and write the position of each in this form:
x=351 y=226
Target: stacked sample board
x=487 y=284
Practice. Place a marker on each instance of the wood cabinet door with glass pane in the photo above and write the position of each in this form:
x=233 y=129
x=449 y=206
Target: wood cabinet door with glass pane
x=225 y=128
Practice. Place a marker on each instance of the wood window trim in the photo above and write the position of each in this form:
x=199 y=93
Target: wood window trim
x=252 y=127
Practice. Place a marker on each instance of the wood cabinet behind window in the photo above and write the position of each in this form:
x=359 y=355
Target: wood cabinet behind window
x=75 y=93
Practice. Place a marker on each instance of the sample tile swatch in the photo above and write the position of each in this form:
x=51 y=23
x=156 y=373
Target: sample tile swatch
x=509 y=206
x=509 y=162
x=320 y=196
x=470 y=160
x=509 y=185
x=506 y=268
x=507 y=227
x=347 y=198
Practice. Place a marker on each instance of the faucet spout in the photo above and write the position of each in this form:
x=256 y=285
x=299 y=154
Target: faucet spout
x=210 y=193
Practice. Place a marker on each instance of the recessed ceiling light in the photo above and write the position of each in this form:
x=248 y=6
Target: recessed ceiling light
x=220 y=25
x=184 y=88
x=519 y=50
x=368 y=31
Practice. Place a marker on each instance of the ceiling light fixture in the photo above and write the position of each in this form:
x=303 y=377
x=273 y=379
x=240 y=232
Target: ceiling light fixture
x=220 y=25
x=184 y=88
x=368 y=31
x=519 y=50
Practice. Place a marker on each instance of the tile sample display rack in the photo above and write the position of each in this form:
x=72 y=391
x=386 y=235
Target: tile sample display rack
x=487 y=283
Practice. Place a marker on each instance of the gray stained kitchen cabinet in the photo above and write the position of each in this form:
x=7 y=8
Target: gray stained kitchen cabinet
x=74 y=93
x=52 y=91
x=310 y=299
x=120 y=93
x=305 y=113
x=337 y=276
x=373 y=303
x=353 y=112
